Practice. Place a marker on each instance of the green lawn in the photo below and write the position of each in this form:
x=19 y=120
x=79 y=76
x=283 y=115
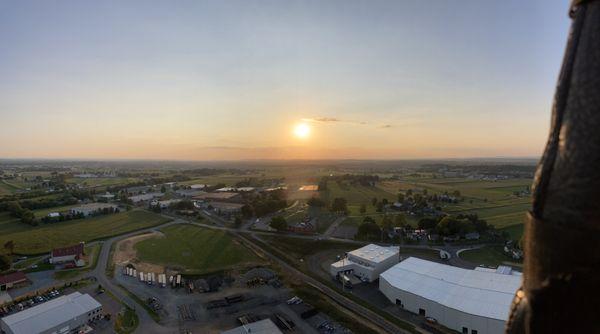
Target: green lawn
x=42 y=238
x=195 y=250
x=515 y=231
x=40 y=213
x=126 y=322
x=488 y=255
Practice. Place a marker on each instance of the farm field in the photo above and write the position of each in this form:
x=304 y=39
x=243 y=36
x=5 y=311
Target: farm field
x=102 y=181
x=7 y=188
x=42 y=238
x=195 y=250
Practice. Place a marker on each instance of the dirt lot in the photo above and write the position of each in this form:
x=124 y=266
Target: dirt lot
x=125 y=253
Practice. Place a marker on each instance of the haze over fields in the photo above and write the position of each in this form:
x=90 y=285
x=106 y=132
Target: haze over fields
x=284 y=80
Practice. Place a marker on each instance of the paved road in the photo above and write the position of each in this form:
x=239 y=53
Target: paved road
x=334 y=226
x=147 y=324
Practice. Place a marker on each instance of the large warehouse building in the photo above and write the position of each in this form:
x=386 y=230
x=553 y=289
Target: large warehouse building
x=367 y=262
x=468 y=301
x=65 y=314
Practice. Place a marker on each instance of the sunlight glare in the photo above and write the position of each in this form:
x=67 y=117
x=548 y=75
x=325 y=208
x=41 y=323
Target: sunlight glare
x=302 y=130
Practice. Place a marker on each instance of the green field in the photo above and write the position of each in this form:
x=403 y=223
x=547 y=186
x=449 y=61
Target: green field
x=195 y=250
x=489 y=255
x=42 y=238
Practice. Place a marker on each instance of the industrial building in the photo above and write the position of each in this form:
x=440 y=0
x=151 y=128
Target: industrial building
x=12 y=280
x=367 y=262
x=65 y=314
x=468 y=301
x=68 y=254
x=265 y=326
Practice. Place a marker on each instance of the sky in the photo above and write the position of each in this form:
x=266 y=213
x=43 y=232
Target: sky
x=229 y=80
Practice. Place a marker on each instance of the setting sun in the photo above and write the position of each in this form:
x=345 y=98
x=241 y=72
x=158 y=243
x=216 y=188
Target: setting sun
x=302 y=130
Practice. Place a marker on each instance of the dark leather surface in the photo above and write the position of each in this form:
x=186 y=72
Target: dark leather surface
x=561 y=288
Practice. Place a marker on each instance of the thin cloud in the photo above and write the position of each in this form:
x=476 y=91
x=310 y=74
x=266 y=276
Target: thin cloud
x=385 y=126
x=332 y=120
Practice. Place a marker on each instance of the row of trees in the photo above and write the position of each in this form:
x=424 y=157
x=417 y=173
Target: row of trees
x=258 y=205
x=454 y=225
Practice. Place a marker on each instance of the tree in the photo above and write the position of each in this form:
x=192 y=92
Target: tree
x=400 y=197
x=315 y=202
x=247 y=211
x=163 y=189
x=9 y=246
x=385 y=201
x=363 y=208
x=387 y=223
x=427 y=223
x=374 y=201
x=369 y=230
x=339 y=205
x=5 y=262
x=400 y=220
x=238 y=221
x=28 y=217
x=278 y=223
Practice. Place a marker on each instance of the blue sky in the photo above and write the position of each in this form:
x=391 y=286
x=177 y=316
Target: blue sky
x=230 y=79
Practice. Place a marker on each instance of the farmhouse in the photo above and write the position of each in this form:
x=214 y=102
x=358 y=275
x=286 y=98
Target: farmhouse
x=65 y=314
x=12 y=280
x=265 y=326
x=367 y=262
x=68 y=254
x=220 y=197
x=467 y=301
x=92 y=208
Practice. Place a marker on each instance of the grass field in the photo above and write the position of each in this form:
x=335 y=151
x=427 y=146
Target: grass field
x=488 y=255
x=195 y=250
x=42 y=238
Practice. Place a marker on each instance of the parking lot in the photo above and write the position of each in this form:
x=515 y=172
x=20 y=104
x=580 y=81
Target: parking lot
x=254 y=295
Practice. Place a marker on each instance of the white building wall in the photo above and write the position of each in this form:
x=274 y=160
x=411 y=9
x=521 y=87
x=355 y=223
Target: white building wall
x=61 y=259
x=449 y=317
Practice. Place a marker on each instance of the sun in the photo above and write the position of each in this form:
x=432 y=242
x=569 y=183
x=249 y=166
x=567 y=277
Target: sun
x=302 y=130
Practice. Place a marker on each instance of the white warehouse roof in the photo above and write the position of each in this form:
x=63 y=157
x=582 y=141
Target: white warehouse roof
x=51 y=313
x=482 y=293
x=265 y=326
x=374 y=253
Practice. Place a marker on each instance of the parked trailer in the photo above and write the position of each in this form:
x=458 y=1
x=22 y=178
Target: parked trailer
x=178 y=282
x=134 y=273
x=153 y=278
x=125 y=271
x=162 y=279
x=142 y=278
x=149 y=278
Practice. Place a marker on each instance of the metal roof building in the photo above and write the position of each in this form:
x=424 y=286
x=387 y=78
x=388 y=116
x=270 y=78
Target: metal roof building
x=64 y=314
x=367 y=262
x=265 y=326
x=468 y=301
